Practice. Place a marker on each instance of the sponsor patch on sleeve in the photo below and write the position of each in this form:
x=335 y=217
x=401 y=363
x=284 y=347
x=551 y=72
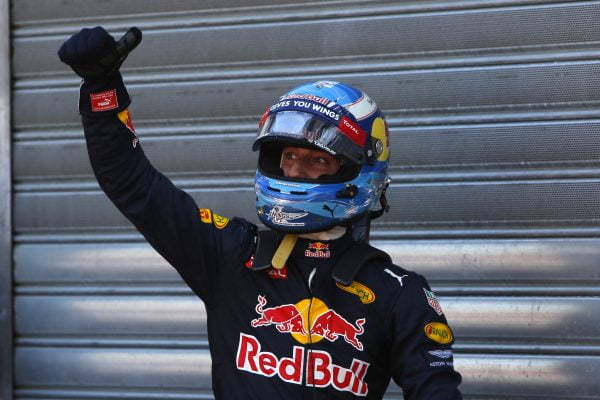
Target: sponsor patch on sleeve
x=205 y=215
x=209 y=217
x=219 y=221
x=439 y=358
x=104 y=101
x=439 y=332
x=433 y=301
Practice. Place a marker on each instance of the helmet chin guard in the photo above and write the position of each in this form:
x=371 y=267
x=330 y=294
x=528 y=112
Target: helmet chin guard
x=342 y=121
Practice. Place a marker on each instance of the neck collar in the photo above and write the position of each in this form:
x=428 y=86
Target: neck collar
x=334 y=233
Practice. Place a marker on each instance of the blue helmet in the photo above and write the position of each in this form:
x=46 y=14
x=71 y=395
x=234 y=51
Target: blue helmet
x=340 y=120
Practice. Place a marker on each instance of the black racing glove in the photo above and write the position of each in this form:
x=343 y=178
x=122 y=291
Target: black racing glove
x=93 y=53
x=95 y=56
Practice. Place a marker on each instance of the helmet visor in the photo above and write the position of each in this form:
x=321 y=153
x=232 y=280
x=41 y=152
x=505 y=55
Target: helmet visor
x=303 y=127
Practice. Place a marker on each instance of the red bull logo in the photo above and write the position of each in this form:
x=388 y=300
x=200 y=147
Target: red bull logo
x=309 y=367
x=325 y=323
x=332 y=325
x=319 y=370
x=286 y=318
x=317 y=250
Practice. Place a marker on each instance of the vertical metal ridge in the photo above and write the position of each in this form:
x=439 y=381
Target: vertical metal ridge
x=6 y=323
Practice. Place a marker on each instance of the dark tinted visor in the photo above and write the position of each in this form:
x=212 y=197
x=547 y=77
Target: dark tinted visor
x=305 y=127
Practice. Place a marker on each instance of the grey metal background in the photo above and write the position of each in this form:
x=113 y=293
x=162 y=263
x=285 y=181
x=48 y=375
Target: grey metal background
x=494 y=118
x=6 y=302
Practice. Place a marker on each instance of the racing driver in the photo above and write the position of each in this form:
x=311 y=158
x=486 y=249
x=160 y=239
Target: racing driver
x=305 y=309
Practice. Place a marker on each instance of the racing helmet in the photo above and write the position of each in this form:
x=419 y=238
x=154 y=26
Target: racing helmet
x=335 y=118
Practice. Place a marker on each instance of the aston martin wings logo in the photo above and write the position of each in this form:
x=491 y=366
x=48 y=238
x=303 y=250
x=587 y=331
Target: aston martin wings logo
x=441 y=353
x=283 y=218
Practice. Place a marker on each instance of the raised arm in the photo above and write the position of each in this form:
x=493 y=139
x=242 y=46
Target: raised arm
x=167 y=216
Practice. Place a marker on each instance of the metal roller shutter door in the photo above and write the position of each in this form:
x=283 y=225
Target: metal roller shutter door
x=6 y=306
x=493 y=112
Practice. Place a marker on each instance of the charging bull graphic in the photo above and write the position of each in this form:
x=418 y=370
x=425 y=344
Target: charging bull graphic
x=294 y=318
x=286 y=318
x=331 y=325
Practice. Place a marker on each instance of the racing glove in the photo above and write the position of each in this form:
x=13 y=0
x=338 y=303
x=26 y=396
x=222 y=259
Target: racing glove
x=95 y=56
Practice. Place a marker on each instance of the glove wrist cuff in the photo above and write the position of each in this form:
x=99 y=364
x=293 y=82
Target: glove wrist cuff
x=105 y=97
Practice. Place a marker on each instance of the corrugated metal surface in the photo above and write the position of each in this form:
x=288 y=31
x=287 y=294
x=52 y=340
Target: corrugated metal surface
x=6 y=302
x=493 y=111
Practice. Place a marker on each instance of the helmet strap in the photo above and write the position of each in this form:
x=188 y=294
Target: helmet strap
x=361 y=229
x=385 y=207
x=284 y=250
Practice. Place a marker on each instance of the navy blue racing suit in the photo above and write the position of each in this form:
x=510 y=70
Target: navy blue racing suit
x=292 y=333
